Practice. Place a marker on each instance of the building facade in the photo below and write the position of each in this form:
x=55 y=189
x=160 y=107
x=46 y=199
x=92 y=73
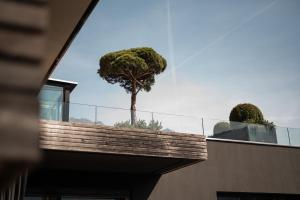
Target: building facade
x=88 y=161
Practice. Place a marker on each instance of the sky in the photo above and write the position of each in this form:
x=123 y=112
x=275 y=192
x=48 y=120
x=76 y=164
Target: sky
x=219 y=54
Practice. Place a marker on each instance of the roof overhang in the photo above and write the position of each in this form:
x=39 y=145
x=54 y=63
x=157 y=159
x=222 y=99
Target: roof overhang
x=66 y=20
x=69 y=85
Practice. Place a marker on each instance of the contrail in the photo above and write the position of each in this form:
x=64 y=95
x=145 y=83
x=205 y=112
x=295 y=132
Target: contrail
x=171 y=51
x=223 y=36
x=170 y=41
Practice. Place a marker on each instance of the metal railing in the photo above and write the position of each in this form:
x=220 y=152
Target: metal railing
x=269 y=133
x=212 y=128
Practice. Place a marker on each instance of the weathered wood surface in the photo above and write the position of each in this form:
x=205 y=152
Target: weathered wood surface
x=105 y=139
x=23 y=27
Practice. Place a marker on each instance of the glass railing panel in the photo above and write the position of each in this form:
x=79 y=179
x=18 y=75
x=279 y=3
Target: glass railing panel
x=51 y=110
x=212 y=128
x=294 y=136
x=80 y=113
x=215 y=128
x=208 y=126
x=282 y=136
x=250 y=132
x=178 y=123
x=112 y=116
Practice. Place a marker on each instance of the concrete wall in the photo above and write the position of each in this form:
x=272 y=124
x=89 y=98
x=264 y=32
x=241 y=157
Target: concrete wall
x=234 y=167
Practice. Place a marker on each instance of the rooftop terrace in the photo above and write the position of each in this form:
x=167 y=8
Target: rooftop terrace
x=169 y=123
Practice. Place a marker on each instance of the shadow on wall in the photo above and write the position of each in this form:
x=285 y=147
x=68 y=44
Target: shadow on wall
x=144 y=187
x=120 y=185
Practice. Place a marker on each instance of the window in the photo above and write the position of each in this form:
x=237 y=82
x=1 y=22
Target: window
x=51 y=102
x=255 y=196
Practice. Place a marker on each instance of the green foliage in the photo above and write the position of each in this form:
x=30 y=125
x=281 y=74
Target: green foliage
x=247 y=113
x=142 y=124
x=124 y=124
x=155 y=125
x=269 y=124
x=221 y=127
x=133 y=69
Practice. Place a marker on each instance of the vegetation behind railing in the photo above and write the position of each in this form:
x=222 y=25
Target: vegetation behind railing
x=166 y=122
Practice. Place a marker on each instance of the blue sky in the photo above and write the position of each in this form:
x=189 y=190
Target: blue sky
x=219 y=53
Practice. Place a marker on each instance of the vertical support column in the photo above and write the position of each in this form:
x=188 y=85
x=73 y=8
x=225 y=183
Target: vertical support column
x=288 y=132
x=66 y=105
x=16 y=188
x=96 y=110
x=202 y=122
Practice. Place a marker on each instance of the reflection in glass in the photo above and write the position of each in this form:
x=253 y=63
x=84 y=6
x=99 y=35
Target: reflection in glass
x=51 y=101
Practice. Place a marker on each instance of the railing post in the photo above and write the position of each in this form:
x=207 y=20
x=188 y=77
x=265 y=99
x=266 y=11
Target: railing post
x=152 y=116
x=288 y=132
x=202 y=121
x=96 y=114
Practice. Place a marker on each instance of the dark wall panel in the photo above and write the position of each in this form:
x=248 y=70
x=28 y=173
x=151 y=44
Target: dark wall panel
x=234 y=167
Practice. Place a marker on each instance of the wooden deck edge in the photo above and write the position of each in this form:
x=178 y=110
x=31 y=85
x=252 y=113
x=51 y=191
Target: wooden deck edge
x=91 y=138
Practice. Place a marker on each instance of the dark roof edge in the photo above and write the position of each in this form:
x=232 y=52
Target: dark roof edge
x=71 y=37
x=70 y=85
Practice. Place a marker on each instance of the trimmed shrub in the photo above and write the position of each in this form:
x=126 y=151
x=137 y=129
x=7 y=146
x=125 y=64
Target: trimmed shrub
x=247 y=113
x=221 y=127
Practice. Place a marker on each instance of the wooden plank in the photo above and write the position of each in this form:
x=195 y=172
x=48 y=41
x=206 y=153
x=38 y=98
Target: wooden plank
x=22 y=41
x=80 y=149
x=105 y=127
x=122 y=151
x=134 y=132
x=24 y=80
x=113 y=150
x=111 y=134
x=103 y=139
x=18 y=138
x=120 y=144
x=124 y=139
x=20 y=14
x=162 y=146
x=16 y=44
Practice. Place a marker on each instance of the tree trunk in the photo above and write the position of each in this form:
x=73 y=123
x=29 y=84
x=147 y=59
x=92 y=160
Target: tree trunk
x=133 y=102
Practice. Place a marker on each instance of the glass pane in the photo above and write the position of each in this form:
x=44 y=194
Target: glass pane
x=80 y=113
x=51 y=98
x=294 y=134
x=51 y=93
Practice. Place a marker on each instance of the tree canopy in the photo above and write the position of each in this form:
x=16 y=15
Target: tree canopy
x=135 y=67
x=248 y=113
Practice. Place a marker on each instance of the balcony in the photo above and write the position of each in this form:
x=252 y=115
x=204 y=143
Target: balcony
x=101 y=138
x=212 y=128
x=105 y=145
x=258 y=133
